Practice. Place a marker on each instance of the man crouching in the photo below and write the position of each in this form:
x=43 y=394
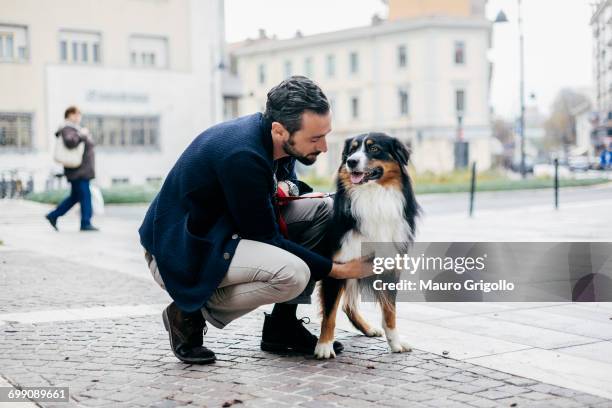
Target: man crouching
x=216 y=240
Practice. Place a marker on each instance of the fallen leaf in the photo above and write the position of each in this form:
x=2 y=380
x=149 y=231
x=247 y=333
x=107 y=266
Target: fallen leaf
x=230 y=403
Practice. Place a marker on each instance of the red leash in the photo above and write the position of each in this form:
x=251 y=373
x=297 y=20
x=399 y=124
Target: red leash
x=283 y=199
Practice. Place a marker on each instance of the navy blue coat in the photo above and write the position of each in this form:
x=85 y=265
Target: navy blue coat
x=220 y=190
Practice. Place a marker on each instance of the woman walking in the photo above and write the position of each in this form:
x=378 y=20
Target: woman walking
x=72 y=134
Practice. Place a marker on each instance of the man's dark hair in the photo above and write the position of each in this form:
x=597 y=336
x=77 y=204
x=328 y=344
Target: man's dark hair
x=289 y=99
x=70 y=111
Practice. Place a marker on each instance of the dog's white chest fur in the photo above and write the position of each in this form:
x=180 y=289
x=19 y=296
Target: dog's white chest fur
x=379 y=212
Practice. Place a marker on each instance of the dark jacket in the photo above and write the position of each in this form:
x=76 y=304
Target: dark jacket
x=220 y=190
x=72 y=137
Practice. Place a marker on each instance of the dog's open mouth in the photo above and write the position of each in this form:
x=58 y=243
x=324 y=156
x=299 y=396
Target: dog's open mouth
x=359 y=177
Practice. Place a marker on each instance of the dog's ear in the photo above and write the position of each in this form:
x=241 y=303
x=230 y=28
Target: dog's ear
x=347 y=147
x=400 y=152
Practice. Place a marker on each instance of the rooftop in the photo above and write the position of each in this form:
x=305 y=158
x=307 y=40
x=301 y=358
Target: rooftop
x=265 y=44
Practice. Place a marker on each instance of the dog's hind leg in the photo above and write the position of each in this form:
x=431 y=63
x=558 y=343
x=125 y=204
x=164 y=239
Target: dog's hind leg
x=395 y=342
x=351 y=308
x=361 y=323
x=330 y=292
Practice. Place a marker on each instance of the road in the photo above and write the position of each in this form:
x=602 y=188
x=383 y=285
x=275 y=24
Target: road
x=434 y=204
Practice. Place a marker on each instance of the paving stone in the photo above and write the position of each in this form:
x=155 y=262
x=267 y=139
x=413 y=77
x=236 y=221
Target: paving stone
x=493 y=394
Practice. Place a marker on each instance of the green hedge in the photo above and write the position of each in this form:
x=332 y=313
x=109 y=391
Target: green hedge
x=112 y=195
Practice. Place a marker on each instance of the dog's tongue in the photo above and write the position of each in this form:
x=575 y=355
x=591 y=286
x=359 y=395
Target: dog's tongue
x=357 y=178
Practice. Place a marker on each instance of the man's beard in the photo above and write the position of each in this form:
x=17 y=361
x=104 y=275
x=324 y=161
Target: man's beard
x=304 y=159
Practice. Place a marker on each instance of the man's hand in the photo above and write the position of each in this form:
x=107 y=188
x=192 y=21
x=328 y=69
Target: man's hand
x=355 y=269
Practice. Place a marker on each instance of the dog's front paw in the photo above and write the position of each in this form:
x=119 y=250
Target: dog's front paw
x=324 y=350
x=374 y=332
x=398 y=346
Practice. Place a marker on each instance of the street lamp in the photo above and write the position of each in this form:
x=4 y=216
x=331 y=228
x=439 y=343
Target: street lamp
x=501 y=18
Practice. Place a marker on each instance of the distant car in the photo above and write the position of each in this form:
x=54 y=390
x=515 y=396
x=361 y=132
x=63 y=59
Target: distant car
x=578 y=163
x=516 y=165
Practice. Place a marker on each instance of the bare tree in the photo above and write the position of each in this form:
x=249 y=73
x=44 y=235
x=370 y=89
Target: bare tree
x=561 y=124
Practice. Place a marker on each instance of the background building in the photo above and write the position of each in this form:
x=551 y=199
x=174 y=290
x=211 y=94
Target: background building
x=146 y=74
x=601 y=22
x=422 y=76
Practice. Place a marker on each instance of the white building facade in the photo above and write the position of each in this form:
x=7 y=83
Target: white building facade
x=145 y=74
x=424 y=80
x=601 y=23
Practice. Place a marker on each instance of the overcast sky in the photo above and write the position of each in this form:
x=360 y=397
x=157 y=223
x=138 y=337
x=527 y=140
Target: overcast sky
x=557 y=39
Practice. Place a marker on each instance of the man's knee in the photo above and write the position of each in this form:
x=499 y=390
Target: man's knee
x=292 y=278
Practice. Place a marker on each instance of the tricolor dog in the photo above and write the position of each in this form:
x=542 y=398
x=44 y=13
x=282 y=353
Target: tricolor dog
x=374 y=202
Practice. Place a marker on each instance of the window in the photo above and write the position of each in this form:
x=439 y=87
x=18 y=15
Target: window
x=402 y=56
x=63 y=51
x=79 y=47
x=13 y=43
x=288 y=69
x=459 y=52
x=95 y=53
x=261 y=73
x=353 y=63
x=230 y=107
x=84 y=52
x=331 y=98
x=354 y=107
x=123 y=131
x=330 y=65
x=15 y=130
x=404 y=102
x=148 y=51
x=75 y=51
x=308 y=68
x=460 y=101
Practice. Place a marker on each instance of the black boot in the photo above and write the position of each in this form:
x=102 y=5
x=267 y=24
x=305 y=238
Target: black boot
x=282 y=335
x=186 y=335
x=52 y=221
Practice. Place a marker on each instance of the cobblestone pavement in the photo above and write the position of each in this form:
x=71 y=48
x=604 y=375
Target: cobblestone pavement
x=126 y=362
x=48 y=283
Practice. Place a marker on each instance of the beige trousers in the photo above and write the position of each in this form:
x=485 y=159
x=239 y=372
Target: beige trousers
x=261 y=274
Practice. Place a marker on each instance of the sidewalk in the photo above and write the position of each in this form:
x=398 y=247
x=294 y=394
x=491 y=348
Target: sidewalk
x=81 y=310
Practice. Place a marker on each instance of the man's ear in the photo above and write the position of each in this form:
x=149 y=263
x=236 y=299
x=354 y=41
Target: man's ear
x=279 y=131
x=347 y=147
x=400 y=152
